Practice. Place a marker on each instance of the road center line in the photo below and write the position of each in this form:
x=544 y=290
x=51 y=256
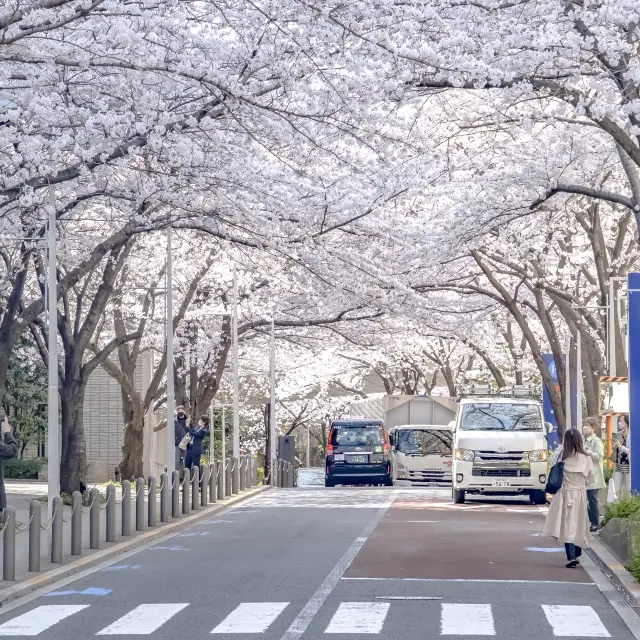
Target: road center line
x=309 y=611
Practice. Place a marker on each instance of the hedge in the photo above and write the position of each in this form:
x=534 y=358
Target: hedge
x=23 y=469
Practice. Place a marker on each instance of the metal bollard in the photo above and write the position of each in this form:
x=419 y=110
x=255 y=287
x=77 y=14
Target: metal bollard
x=255 y=472
x=292 y=476
x=220 y=479
x=35 y=524
x=94 y=519
x=186 y=485
x=164 y=497
x=111 y=513
x=76 y=524
x=56 y=530
x=175 y=495
x=140 y=515
x=153 y=502
x=195 y=488
x=273 y=476
x=204 y=486
x=281 y=474
x=9 y=545
x=235 y=478
x=247 y=470
x=242 y=485
x=126 y=508
x=227 y=477
x=213 y=482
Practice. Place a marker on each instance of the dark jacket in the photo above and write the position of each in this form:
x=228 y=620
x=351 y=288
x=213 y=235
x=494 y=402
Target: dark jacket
x=198 y=434
x=8 y=450
x=181 y=429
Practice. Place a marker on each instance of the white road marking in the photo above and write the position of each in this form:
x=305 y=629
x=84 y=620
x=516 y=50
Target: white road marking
x=575 y=621
x=408 y=598
x=40 y=619
x=359 y=617
x=143 y=620
x=467 y=620
x=583 y=584
x=309 y=611
x=251 y=617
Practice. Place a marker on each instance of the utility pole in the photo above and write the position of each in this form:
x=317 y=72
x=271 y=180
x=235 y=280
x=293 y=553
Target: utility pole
x=53 y=440
x=212 y=434
x=223 y=452
x=171 y=456
x=308 y=447
x=272 y=396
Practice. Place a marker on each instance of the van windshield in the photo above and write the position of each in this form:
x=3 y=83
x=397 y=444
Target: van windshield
x=495 y=416
x=424 y=442
x=369 y=436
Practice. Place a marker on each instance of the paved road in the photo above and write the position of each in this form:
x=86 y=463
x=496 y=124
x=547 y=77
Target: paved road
x=315 y=563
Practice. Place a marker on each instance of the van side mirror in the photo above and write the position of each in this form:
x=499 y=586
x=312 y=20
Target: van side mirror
x=452 y=425
x=548 y=428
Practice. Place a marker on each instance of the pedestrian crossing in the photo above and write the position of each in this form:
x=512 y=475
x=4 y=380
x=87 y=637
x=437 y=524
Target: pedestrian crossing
x=349 y=618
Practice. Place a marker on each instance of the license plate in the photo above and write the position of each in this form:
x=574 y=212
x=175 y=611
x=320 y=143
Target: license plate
x=357 y=459
x=501 y=483
x=339 y=457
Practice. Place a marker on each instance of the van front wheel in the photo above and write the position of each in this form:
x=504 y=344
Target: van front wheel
x=538 y=497
x=458 y=496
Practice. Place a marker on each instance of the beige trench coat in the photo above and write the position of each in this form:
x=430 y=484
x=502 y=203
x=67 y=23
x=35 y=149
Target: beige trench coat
x=567 y=519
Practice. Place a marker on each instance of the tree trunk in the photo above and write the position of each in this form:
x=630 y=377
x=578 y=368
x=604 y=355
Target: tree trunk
x=73 y=458
x=131 y=465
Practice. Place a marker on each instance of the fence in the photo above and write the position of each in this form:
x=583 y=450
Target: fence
x=283 y=474
x=199 y=487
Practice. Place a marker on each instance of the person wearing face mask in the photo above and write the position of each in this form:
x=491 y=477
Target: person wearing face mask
x=194 y=452
x=181 y=430
x=594 y=447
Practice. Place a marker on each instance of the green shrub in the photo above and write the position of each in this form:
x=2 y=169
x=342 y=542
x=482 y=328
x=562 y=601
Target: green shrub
x=260 y=475
x=627 y=508
x=608 y=473
x=23 y=469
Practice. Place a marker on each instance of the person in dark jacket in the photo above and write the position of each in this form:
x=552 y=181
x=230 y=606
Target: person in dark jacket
x=181 y=430
x=8 y=450
x=194 y=452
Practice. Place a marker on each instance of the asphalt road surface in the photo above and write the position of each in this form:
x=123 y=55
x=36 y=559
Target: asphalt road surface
x=314 y=563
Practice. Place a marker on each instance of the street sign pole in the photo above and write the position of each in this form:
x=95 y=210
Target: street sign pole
x=236 y=381
x=633 y=319
x=567 y=384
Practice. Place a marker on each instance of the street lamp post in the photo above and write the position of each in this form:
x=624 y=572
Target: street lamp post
x=53 y=440
x=170 y=443
x=272 y=397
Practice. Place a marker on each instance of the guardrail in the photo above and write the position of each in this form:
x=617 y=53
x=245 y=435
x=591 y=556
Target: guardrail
x=199 y=487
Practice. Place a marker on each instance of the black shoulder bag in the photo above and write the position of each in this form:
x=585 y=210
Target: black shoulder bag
x=554 y=482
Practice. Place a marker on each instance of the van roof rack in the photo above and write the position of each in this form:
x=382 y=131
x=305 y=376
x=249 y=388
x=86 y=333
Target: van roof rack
x=514 y=390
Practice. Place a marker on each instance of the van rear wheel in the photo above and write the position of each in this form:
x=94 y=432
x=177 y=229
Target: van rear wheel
x=458 y=496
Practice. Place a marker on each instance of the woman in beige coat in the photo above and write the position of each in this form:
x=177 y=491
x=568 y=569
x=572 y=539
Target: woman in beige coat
x=567 y=520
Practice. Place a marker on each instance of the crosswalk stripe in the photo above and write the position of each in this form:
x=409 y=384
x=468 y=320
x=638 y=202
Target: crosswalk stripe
x=251 y=617
x=575 y=621
x=38 y=620
x=467 y=620
x=143 y=620
x=358 y=617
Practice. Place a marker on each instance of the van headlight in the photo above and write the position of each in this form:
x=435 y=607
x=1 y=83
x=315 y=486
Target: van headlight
x=465 y=454
x=539 y=455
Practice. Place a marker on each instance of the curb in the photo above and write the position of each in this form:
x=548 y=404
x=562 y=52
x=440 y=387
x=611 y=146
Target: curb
x=626 y=580
x=47 y=578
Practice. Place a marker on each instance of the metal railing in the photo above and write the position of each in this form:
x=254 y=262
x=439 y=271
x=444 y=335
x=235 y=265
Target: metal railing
x=199 y=488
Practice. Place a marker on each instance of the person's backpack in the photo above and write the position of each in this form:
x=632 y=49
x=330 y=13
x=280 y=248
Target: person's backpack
x=554 y=482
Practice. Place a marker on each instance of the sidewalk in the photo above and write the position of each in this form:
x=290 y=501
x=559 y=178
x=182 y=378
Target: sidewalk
x=19 y=496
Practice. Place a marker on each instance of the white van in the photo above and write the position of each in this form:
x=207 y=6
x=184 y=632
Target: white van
x=500 y=447
x=421 y=455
